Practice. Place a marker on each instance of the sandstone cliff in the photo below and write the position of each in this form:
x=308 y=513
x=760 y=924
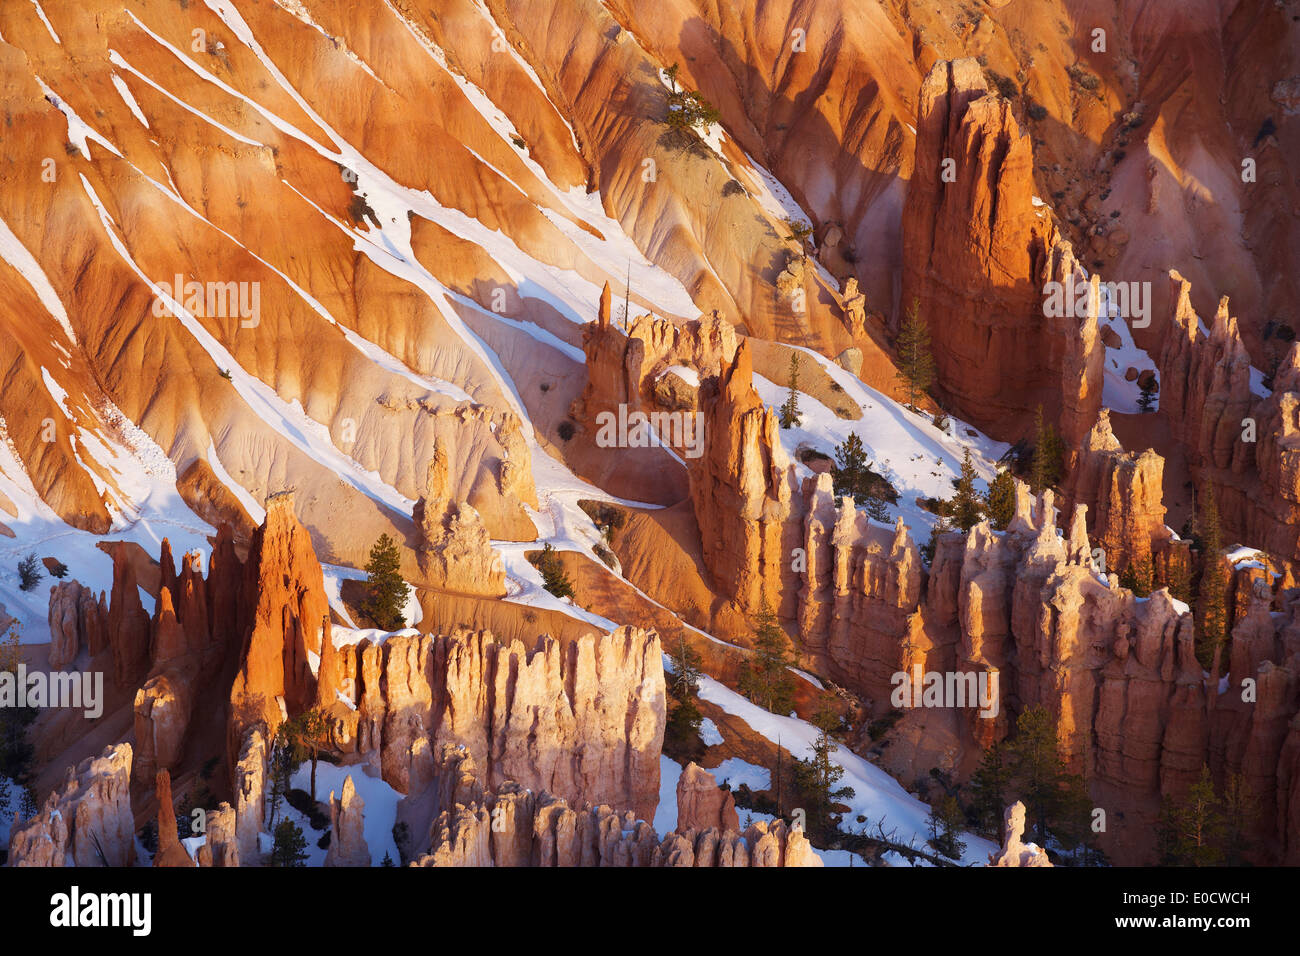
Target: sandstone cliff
x=977 y=253
x=474 y=826
x=1241 y=437
x=584 y=720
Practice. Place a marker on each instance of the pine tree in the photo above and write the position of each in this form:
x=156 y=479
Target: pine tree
x=554 y=577
x=988 y=786
x=387 y=592
x=945 y=821
x=764 y=676
x=682 y=729
x=1045 y=467
x=16 y=750
x=1000 y=502
x=789 y=416
x=308 y=734
x=1241 y=810
x=686 y=674
x=1212 y=632
x=387 y=860
x=1191 y=830
x=671 y=72
x=915 y=360
x=1176 y=575
x=877 y=506
x=1138 y=577
x=290 y=848
x=11 y=649
x=281 y=767
x=966 y=512
x=27 y=803
x=1147 y=397
x=941 y=527
x=1040 y=776
x=817 y=777
x=850 y=471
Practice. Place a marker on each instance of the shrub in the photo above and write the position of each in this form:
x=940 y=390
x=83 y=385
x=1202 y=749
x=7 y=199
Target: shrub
x=29 y=572
x=565 y=430
x=1083 y=78
x=547 y=562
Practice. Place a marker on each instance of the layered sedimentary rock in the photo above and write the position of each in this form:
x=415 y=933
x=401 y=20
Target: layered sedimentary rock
x=250 y=781
x=845 y=584
x=1242 y=438
x=741 y=488
x=347 y=828
x=859 y=586
x=1132 y=708
x=474 y=826
x=170 y=851
x=584 y=720
x=455 y=551
x=977 y=253
x=286 y=590
x=128 y=624
x=87 y=821
x=220 y=846
x=1124 y=495
x=77 y=620
x=164 y=704
x=623 y=360
x=702 y=804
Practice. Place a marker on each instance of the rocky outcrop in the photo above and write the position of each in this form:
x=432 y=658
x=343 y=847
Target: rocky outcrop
x=347 y=829
x=1124 y=496
x=286 y=588
x=455 y=551
x=859 y=585
x=702 y=804
x=741 y=488
x=845 y=585
x=162 y=714
x=128 y=624
x=627 y=365
x=474 y=826
x=584 y=720
x=170 y=851
x=1014 y=852
x=977 y=253
x=250 y=793
x=1131 y=706
x=220 y=846
x=1242 y=438
x=77 y=620
x=87 y=821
